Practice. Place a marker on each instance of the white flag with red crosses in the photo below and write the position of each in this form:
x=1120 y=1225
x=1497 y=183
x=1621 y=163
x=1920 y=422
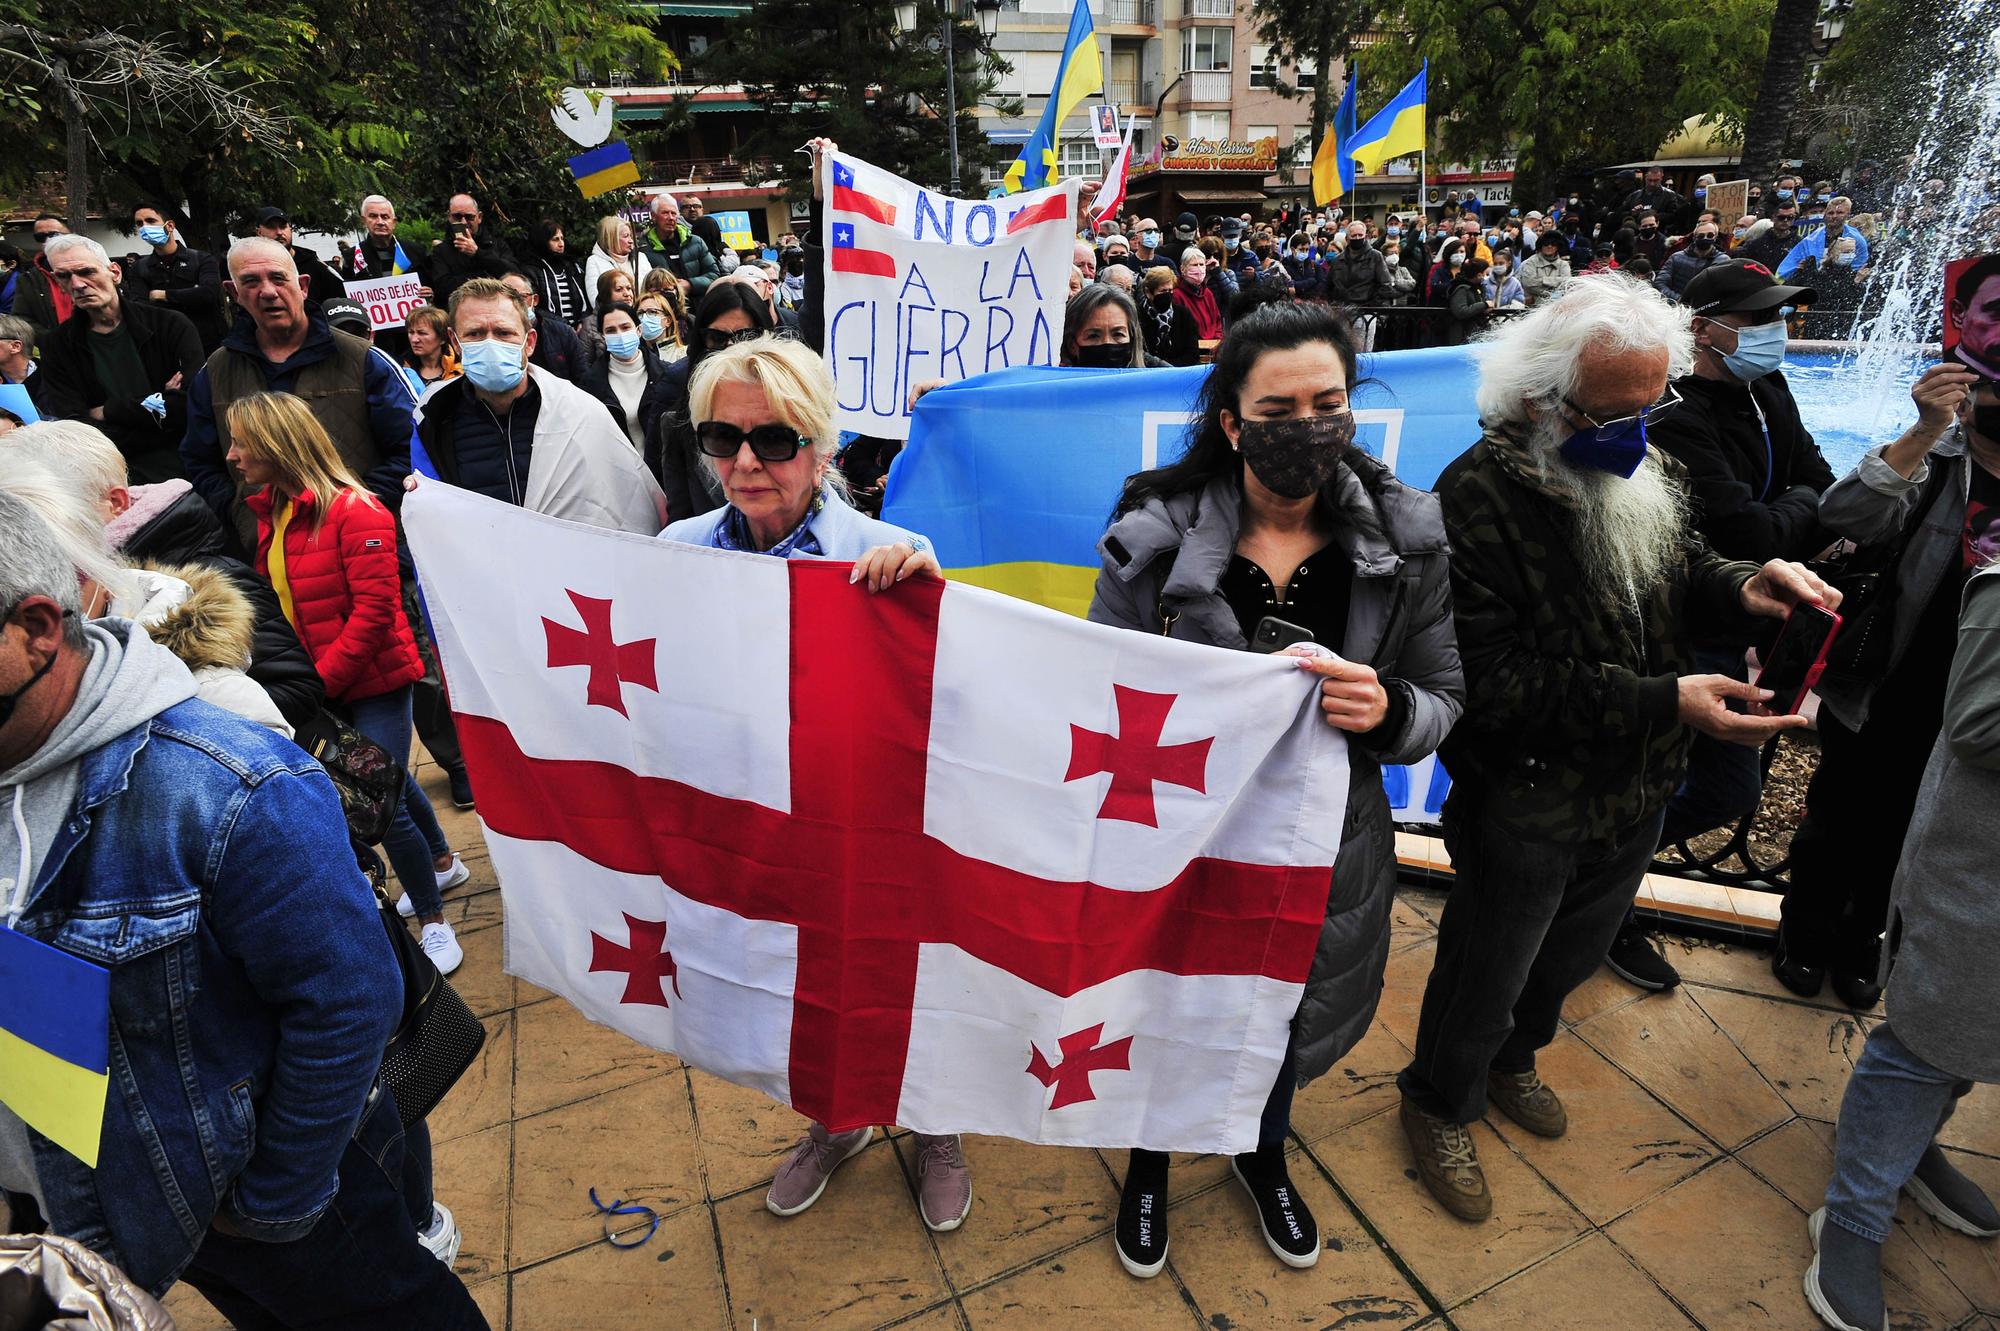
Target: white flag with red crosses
x=934 y=857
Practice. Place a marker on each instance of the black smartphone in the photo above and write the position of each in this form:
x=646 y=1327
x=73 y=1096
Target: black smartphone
x=1274 y=635
x=1798 y=657
x=451 y=230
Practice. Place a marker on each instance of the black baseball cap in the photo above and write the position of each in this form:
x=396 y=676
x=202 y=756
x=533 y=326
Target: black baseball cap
x=346 y=315
x=268 y=216
x=1185 y=226
x=1740 y=286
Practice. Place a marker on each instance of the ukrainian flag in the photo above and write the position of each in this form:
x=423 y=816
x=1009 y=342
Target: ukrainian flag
x=400 y=263
x=1397 y=130
x=607 y=167
x=1333 y=170
x=55 y=1042
x=1080 y=74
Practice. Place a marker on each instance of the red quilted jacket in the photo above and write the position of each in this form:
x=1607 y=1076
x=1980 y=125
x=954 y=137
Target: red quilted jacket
x=346 y=594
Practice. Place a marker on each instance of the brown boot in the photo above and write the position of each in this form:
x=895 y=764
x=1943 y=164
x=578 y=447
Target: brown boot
x=1448 y=1163
x=1522 y=1097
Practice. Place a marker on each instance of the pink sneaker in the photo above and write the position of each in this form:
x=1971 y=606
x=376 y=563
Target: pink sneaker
x=944 y=1182
x=802 y=1178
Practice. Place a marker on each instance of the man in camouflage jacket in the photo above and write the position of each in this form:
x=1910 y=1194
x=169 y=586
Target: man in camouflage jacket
x=1578 y=583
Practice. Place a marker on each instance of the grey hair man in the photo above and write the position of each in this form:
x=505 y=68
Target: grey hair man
x=122 y=364
x=1578 y=585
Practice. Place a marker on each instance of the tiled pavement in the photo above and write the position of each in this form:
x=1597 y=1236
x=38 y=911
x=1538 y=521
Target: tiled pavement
x=1701 y=1130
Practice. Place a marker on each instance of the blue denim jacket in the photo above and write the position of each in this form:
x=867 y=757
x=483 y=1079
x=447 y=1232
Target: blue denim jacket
x=206 y=863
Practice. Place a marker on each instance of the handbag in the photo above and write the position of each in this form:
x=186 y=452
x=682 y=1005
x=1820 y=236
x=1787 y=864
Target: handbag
x=369 y=781
x=438 y=1037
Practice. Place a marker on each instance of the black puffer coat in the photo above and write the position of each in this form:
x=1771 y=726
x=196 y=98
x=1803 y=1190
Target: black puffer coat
x=171 y=524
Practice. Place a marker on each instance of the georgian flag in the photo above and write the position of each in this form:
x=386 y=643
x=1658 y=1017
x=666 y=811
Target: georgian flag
x=934 y=857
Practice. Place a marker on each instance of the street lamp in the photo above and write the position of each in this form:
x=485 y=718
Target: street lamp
x=987 y=13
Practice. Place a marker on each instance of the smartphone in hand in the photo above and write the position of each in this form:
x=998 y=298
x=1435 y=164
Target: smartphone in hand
x=1798 y=657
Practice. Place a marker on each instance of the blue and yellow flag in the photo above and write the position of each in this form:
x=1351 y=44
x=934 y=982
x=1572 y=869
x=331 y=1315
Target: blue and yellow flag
x=55 y=1042
x=606 y=167
x=1397 y=130
x=401 y=262
x=1080 y=74
x=1333 y=169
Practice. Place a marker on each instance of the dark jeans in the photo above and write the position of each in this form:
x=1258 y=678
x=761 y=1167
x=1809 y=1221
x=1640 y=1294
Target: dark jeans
x=1724 y=780
x=359 y=1269
x=1525 y=924
x=431 y=710
x=1858 y=808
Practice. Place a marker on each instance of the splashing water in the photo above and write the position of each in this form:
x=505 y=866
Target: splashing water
x=1947 y=199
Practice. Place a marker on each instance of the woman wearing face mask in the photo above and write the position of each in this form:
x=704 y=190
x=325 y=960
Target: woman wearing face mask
x=1273 y=512
x=660 y=324
x=1466 y=303
x=614 y=286
x=1307 y=273
x=1503 y=288
x=1101 y=331
x=629 y=378
x=1169 y=333
x=731 y=312
x=1196 y=302
x=1221 y=278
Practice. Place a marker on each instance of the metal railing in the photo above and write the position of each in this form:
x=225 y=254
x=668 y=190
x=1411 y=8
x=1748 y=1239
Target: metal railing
x=703 y=170
x=1206 y=85
x=1132 y=11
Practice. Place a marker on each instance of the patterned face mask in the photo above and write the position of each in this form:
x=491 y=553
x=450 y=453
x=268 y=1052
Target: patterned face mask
x=1296 y=457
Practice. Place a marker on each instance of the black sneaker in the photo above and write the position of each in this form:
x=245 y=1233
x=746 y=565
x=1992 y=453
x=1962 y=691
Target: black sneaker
x=461 y=788
x=1142 y=1215
x=1288 y=1222
x=1635 y=960
x=1854 y=975
x=1803 y=975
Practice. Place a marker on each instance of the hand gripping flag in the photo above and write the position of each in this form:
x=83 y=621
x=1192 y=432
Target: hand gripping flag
x=934 y=857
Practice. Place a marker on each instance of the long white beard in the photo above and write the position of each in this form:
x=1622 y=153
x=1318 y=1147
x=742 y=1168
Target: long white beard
x=1628 y=529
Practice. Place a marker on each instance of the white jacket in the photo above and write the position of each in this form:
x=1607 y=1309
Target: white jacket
x=635 y=263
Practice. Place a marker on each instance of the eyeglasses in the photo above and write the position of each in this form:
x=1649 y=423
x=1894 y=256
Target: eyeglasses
x=715 y=339
x=768 y=443
x=1613 y=428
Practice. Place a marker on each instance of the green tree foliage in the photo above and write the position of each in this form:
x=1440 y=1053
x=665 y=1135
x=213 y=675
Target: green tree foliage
x=843 y=71
x=1569 y=83
x=366 y=96
x=1896 y=74
x=1320 y=31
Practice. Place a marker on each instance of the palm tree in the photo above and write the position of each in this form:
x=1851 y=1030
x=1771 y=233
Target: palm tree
x=1768 y=127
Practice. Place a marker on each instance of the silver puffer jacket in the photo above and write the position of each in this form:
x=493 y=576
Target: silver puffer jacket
x=57 y=1284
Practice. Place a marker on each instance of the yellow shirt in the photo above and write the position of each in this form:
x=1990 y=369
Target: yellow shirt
x=281 y=518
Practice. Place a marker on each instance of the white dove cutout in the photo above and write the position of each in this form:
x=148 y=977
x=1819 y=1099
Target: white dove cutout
x=588 y=125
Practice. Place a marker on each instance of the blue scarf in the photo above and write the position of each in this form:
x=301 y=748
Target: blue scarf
x=733 y=533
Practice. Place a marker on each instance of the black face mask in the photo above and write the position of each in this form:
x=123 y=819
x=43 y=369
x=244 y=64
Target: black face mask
x=8 y=701
x=1648 y=232
x=1296 y=457
x=1702 y=244
x=1104 y=356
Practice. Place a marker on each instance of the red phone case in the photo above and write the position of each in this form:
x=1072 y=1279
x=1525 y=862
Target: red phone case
x=1813 y=672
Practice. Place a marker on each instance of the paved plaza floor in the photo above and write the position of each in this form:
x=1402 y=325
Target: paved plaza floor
x=1701 y=1125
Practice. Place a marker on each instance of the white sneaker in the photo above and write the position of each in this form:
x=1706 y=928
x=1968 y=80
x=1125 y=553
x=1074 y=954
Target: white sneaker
x=441 y=1240
x=441 y=946
x=456 y=876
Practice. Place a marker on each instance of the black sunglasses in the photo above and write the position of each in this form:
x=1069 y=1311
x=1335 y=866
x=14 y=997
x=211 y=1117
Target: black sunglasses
x=716 y=339
x=770 y=443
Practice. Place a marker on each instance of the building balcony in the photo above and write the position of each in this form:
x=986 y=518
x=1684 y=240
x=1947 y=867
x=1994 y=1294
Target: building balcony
x=710 y=170
x=1204 y=87
x=1132 y=13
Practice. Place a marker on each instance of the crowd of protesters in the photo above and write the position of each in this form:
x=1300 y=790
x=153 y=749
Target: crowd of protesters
x=202 y=556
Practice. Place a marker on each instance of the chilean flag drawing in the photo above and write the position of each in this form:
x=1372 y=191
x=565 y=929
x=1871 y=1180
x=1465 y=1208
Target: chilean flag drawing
x=935 y=857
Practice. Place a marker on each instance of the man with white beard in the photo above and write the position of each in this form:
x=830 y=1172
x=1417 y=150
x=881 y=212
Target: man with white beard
x=1578 y=585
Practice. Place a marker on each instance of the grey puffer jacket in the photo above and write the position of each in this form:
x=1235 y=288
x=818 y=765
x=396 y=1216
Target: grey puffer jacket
x=1163 y=566
x=1945 y=997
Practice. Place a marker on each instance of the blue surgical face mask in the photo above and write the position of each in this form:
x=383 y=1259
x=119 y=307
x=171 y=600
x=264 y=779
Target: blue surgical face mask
x=1393 y=232
x=1492 y=238
x=651 y=327
x=153 y=235
x=623 y=345
x=1234 y=244
x=1149 y=239
x=1701 y=191
x=1760 y=349
x=1784 y=194
x=492 y=365
x=1620 y=455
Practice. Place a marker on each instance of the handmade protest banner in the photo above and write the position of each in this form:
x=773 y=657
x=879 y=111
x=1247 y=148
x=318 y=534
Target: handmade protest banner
x=736 y=232
x=1730 y=199
x=388 y=300
x=922 y=286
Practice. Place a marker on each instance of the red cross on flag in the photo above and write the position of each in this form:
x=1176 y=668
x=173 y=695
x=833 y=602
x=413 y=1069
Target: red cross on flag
x=936 y=857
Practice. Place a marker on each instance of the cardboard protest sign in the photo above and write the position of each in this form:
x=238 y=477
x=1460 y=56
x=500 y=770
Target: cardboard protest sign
x=736 y=230
x=388 y=300
x=1972 y=312
x=1104 y=123
x=1730 y=199
x=922 y=286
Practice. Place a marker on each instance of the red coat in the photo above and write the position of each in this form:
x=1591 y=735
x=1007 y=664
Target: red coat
x=346 y=593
